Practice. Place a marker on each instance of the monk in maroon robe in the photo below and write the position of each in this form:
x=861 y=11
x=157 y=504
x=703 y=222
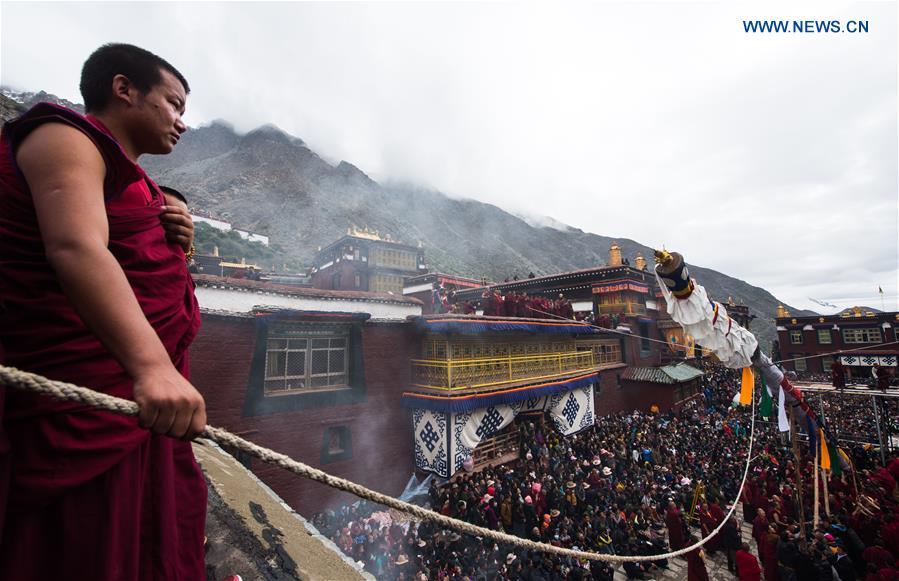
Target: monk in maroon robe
x=748 y=568
x=95 y=291
x=759 y=528
x=675 y=523
x=707 y=523
x=838 y=374
x=696 y=569
x=768 y=553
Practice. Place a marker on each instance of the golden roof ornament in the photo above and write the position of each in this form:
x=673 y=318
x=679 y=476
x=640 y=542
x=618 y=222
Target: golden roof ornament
x=364 y=232
x=614 y=254
x=639 y=261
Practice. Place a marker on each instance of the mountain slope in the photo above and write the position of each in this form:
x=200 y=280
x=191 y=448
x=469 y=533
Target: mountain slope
x=273 y=183
x=270 y=182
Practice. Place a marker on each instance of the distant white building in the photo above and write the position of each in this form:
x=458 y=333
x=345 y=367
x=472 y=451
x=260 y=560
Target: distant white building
x=252 y=237
x=232 y=295
x=217 y=224
x=226 y=227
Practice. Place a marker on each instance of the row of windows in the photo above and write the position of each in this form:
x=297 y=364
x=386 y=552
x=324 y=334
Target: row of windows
x=864 y=335
x=396 y=258
x=801 y=365
x=383 y=283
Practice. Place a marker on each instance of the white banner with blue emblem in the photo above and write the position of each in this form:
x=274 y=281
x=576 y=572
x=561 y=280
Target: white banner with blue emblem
x=444 y=441
x=572 y=411
x=431 y=441
x=469 y=428
x=865 y=360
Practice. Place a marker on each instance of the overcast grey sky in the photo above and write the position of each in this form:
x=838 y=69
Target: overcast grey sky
x=770 y=157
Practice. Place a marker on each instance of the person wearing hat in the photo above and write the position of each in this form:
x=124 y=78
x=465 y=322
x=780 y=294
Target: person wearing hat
x=570 y=503
x=544 y=526
x=530 y=512
x=490 y=513
x=842 y=563
x=401 y=565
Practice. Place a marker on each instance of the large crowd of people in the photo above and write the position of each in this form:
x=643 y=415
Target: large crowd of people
x=627 y=486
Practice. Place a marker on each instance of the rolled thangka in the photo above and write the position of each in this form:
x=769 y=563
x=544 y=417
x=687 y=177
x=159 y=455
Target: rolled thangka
x=735 y=347
x=705 y=320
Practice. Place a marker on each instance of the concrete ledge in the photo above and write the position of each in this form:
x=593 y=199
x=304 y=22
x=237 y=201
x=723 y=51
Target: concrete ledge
x=252 y=532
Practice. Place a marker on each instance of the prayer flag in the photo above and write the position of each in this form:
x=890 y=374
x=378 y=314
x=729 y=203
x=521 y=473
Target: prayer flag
x=824 y=455
x=746 y=386
x=812 y=432
x=835 y=464
x=767 y=402
x=783 y=424
x=845 y=462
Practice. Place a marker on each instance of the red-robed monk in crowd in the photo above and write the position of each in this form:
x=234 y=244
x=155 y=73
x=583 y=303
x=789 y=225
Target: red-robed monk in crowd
x=94 y=290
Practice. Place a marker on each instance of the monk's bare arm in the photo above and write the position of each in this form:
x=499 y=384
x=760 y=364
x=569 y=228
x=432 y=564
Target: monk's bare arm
x=65 y=173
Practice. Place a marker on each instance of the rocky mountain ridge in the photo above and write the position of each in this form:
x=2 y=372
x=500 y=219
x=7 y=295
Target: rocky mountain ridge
x=272 y=183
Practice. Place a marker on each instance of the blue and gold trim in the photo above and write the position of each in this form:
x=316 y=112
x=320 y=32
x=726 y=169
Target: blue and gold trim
x=471 y=402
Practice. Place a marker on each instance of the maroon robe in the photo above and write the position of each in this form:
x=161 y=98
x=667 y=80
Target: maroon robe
x=675 y=525
x=92 y=495
x=838 y=374
x=696 y=570
x=768 y=553
x=707 y=524
x=748 y=568
x=759 y=530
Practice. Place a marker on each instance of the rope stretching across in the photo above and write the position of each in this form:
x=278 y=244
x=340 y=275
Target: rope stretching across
x=22 y=380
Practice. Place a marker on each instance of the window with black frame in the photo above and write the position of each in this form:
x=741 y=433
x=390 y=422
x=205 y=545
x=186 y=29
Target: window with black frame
x=299 y=363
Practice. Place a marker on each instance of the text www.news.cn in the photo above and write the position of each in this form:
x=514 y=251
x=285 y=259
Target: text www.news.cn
x=806 y=26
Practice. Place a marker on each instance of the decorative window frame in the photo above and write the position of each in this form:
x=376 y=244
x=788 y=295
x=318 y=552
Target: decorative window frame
x=286 y=349
x=274 y=325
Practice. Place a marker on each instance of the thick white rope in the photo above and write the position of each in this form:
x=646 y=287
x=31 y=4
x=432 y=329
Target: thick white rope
x=22 y=380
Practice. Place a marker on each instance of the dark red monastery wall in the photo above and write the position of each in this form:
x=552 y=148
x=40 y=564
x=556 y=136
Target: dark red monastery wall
x=614 y=396
x=381 y=452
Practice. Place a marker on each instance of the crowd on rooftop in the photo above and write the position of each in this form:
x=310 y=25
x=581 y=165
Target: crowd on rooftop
x=627 y=486
x=512 y=304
